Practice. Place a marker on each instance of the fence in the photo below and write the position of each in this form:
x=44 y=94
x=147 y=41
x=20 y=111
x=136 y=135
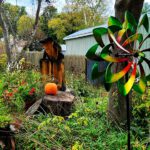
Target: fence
x=72 y=63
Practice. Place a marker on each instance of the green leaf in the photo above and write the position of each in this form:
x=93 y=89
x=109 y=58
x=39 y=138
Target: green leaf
x=98 y=33
x=113 y=21
x=95 y=73
x=144 y=21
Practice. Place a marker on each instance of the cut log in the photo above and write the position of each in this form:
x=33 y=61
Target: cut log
x=59 y=104
x=34 y=107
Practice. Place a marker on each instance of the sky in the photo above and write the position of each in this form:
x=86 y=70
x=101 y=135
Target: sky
x=31 y=4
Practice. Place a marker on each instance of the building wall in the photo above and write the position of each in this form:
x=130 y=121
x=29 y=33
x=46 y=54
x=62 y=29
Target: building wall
x=80 y=46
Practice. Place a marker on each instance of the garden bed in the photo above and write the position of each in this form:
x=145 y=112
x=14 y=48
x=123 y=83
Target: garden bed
x=86 y=127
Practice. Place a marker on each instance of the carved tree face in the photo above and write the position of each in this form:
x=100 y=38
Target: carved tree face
x=50 y=49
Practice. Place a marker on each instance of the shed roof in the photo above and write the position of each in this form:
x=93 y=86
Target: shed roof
x=82 y=33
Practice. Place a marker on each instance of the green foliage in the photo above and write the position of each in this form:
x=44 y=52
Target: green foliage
x=58 y=27
x=141 y=114
x=19 y=87
x=3 y=61
x=80 y=87
x=14 y=12
x=1 y=32
x=64 y=24
x=92 y=12
x=24 y=26
x=5 y=116
x=48 y=14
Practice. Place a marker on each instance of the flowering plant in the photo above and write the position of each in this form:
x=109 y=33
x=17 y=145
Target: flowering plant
x=20 y=87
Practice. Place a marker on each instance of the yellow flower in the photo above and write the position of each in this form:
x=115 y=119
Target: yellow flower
x=67 y=128
x=73 y=115
x=77 y=146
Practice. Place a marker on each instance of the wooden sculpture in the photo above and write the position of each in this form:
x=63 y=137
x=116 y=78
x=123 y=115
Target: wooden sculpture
x=51 y=64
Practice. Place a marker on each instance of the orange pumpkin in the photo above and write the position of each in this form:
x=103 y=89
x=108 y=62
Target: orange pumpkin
x=51 y=88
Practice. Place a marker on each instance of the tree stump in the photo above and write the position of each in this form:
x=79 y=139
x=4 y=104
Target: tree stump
x=59 y=104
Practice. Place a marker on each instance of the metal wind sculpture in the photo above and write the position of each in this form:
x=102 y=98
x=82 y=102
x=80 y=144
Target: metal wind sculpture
x=126 y=50
x=124 y=47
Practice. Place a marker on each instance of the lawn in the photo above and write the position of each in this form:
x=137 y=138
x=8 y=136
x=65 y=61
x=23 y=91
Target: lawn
x=86 y=128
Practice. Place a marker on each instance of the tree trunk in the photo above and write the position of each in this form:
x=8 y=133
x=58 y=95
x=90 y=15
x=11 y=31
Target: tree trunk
x=6 y=35
x=117 y=103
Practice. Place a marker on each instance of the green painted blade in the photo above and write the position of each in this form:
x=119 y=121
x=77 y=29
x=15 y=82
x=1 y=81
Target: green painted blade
x=113 y=21
x=147 y=37
x=144 y=21
x=133 y=38
x=107 y=86
x=148 y=77
x=95 y=72
x=141 y=86
x=91 y=53
x=110 y=78
x=98 y=33
x=114 y=28
x=129 y=18
x=124 y=89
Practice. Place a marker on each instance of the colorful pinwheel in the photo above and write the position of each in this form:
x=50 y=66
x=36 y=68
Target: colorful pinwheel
x=125 y=42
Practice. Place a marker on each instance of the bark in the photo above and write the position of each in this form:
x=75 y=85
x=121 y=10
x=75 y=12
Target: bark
x=117 y=103
x=5 y=35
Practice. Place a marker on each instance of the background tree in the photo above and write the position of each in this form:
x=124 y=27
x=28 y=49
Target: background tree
x=5 y=23
x=48 y=13
x=13 y=13
x=65 y=24
x=117 y=103
x=24 y=27
x=92 y=11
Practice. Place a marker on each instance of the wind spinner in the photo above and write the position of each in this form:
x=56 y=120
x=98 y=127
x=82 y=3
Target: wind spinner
x=124 y=39
x=124 y=47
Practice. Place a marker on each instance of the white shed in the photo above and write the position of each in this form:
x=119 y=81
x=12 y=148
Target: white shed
x=79 y=42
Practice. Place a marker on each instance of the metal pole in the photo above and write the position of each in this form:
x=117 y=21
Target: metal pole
x=128 y=116
x=127 y=105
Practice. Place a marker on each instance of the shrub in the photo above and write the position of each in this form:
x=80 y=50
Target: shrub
x=20 y=86
x=80 y=87
x=141 y=114
x=3 y=61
